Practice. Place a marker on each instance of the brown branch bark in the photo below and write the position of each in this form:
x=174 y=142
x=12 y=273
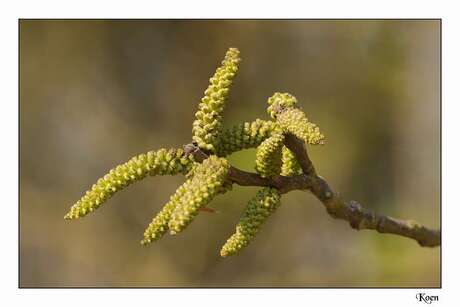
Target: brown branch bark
x=351 y=211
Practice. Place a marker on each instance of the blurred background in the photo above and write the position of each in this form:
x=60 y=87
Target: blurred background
x=95 y=93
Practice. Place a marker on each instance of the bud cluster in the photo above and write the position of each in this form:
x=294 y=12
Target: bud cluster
x=206 y=175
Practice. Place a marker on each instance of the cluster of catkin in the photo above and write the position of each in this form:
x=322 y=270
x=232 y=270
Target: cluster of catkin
x=207 y=179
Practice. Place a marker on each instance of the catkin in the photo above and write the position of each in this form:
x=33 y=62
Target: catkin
x=208 y=123
x=268 y=155
x=294 y=121
x=290 y=166
x=209 y=179
x=160 y=162
x=279 y=101
x=244 y=136
x=159 y=225
x=257 y=211
x=283 y=108
x=205 y=180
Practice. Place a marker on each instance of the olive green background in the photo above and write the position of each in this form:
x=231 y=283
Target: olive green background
x=95 y=93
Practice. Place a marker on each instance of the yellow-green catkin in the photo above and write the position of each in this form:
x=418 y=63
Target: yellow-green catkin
x=191 y=171
x=279 y=101
x=257 y=211
x=159 y=225
x=160 y=162
x=294 y=121
x=208 y=123
x=209 y=179
x=283 y=108
x=268 y=155
x=244 y=136
x=290 y=166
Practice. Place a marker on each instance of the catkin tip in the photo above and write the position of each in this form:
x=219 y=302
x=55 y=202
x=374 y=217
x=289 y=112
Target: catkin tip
x=144 y=242
x=67 y=217
x=208 y=124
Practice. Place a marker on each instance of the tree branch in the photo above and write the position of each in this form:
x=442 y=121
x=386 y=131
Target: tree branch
x=351 y=211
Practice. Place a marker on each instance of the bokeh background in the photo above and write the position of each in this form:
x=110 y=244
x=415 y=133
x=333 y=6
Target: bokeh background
x=95 y=93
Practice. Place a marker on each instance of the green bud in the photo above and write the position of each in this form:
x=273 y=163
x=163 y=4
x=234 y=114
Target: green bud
x=244 y=136
x=208 y=123
x=209 y=180
x=290 y=165
x=160 y=162
x=268 y=155
x=257 y=211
